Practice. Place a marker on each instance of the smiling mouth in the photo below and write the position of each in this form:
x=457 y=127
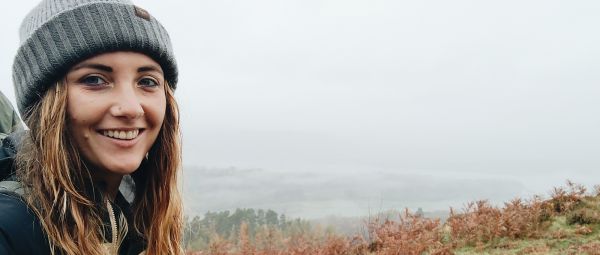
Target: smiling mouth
x=121 y=134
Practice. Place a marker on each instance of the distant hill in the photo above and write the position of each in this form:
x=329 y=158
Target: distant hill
x=313 y=194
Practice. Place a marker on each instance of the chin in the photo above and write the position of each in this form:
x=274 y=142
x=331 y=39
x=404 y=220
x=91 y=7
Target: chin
x=124 y=169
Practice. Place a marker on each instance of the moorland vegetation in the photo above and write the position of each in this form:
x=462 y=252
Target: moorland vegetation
x=567 y=222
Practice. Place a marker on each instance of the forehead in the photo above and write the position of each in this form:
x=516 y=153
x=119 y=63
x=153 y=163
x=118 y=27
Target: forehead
x=120 y=60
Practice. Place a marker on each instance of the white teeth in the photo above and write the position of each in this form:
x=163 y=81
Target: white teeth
x=122 y=134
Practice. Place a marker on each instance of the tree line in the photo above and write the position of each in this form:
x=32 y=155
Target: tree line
x=201 y=232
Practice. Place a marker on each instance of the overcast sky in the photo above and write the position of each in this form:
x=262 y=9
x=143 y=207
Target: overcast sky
x=454 y=100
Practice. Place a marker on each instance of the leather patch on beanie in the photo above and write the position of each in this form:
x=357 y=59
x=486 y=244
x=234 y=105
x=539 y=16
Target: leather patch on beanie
x=140 y=12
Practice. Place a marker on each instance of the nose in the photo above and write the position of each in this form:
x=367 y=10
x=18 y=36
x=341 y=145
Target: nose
x=127 y=104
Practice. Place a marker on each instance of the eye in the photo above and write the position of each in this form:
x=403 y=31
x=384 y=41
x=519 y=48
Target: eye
x=148 y=82
x=93 y=80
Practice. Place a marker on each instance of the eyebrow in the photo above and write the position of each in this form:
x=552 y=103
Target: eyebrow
x=109 y=69
x=150 y=68
x=93 y=66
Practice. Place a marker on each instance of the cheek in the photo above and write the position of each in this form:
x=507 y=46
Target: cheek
x=81 y=113
x=157 y=110
x=156 y=118
x=78 y=126
x=76 y=104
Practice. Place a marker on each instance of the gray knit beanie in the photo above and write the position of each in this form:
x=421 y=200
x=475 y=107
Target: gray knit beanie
x=58 y=34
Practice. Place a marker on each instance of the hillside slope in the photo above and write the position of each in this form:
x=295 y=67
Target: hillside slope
x=568 y=223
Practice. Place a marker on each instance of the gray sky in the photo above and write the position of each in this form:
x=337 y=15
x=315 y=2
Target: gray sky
x=358 y=105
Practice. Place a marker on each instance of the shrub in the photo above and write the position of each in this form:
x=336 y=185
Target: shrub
x=564 y=200
x=583 y=215
x=411 y=234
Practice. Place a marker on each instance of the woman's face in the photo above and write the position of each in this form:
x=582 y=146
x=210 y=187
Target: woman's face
x=116 y=105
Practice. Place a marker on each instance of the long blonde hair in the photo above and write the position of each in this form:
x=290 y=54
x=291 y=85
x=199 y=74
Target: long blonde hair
x=57 y=183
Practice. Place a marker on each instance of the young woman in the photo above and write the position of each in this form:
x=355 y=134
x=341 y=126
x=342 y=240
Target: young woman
x=94 y=81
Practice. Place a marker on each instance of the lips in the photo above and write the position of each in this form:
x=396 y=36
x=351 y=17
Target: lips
x=121 y=134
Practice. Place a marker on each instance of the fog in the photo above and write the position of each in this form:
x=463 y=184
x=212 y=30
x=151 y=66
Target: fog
x=344 y=107
x=315 y=195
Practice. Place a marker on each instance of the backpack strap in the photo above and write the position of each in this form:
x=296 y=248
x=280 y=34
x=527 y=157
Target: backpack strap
x=12 y=187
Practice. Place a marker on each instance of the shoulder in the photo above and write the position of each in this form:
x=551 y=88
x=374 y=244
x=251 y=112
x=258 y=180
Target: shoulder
x=20 y=230
x=12 y=210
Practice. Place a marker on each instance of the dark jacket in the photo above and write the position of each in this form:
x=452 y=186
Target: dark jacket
x=20 y=230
